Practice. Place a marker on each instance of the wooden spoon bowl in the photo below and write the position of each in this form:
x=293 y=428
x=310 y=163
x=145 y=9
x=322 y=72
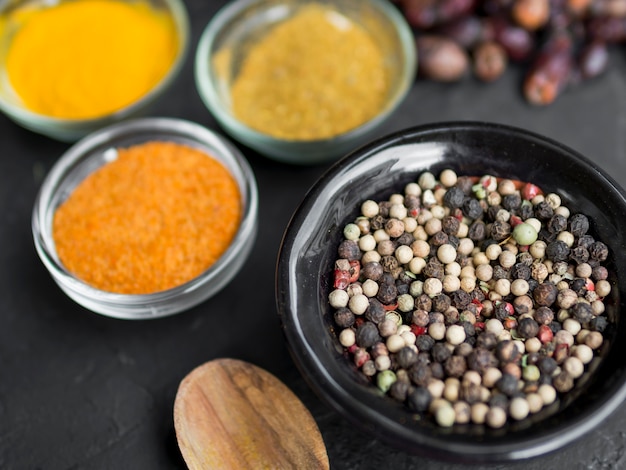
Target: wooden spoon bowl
x=232 y=414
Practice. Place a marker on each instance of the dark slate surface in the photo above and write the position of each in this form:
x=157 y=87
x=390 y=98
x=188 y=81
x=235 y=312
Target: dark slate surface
x=79 y=390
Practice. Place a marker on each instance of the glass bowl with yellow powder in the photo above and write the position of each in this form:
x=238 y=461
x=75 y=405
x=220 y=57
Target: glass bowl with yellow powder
x=70 y=67
x=146 y=218
x=304 y=81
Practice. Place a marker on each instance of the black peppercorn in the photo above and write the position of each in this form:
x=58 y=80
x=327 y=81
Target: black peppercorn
x=512 y=202
x=545 y=294
x=349 y=249
x=500 y=230
x=455 y=366
x=406 y=357
x=377 y=222
x=492 y=213
x=436 y=370
x=405 y=239
x=544 y=315
x=434 y=268
x=480 y=359
x=470 y=331
x=522 y=304
x=579 y=254
x=500 y=272
x=441 y=303
x=440 y=352
x=547 y=365
x=383 y=208
x=420 y=374
x=520 y=271
x=438 y=239
x=557 y=223
x=464 y=183
x=582 y=312
x=375 y=311
x=470 y=392
x=460 y=299
x=598 y=251
x=424 y=342
x=472 y=209
x=598 y=324
x=387 y=293
x=389 y=263
x=506 y=351
x=599 y=273
x=555 y=326
x=402 y=288
x=424 y=302
x=450 y=225
x=557 y=250
x=477 y=231
x=525 y=211
x=454 y=197
x=453 y=241
x=525 y=258
x=419 y=399
x=507 y=384
x=367 y=335
x=544 y=211
x=486 y=340
x=501 y=311
x=372 y=270
x=578 y=285
x=344 y=317
x=578 y=225
x=399 y=390
x=463 y=349
x=499 y=400
x=585 y=241
x=527 y=328
x=436 y=317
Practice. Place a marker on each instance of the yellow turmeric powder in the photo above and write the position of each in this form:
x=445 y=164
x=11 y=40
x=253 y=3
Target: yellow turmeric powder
x=88 y=58
x=154 y=218
x=313 y=76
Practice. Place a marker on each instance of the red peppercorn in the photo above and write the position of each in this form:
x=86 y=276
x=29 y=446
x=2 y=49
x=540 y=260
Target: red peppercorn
x=355 y=269
x=545 y=334
x=342 y=279
x=418 y=330
x=530 y=191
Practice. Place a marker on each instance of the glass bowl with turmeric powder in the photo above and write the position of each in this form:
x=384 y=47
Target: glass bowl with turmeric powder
x=146 y=218
x=304 y=81
x=70 y=67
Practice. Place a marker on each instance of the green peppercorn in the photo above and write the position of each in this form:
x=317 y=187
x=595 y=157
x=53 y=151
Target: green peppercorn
x=525 y=234
x=385 y=379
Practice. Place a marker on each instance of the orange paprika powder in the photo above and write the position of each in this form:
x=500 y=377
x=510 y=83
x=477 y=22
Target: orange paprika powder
x=152 y=219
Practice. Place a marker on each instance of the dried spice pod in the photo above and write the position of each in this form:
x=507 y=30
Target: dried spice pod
x=490 y=61
x=441 y=58
x=550 y=72
x=531 y=14
x=593 y=59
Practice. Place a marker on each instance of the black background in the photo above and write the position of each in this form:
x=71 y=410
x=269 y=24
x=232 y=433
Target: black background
x=80 y=390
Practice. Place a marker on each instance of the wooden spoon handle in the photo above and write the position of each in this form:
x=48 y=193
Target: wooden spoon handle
x=232 y=414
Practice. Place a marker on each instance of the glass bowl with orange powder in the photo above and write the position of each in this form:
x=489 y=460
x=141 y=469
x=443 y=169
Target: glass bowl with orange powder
x=305 y=81
x=146 y=218
x=64 y=74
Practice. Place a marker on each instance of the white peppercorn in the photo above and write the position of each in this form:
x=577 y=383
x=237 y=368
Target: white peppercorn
x=446 y=253
x=367 y=242
x=398 y=211
x=573 y=366
x=507 y=259
x=404 y=254
x=338 y=298
x=410 y=224
x=562 y=210
x=358 y=304
x=428 y=198
x=519 y=287
x=495 y=326
x=433 y=226
x=451 y=389
x=493 y=251
x=380 y=235
x=553 y=199
x=437 y=331
x=409 y=338
x=547 y=394
x=416 y=288
x=490 y=376
x=535 y=403
x=583 y=352
x=496 y=417
x=347 y=337
x=417 y=264
x=503 y=287
x=536 y=223
x=519 y=408
x=466 y=246
x=445 y=415
x=572 y=325
x=462 y=412
x=472 y=377
x=593 y=339
x=478 y=413
x=583 y=270
x=435 y=387
x=426 y=180
x=566 y=237
x=453 y=269
x=597 y=307
x=468 y=284
x=451 y=283
x=394 y=343
x=370 y=288
x=564 y=337
x=603 y=288
x=448 y=178
x=387 y=328
x=370 y=256
x=455 y=334
x=533 y=345
x=370 y=208
x=382 y=362
x=396 y=198
x=438 y=211
x=484 y=272
x=506 y=187
x=406 y=302
x=432 y=286
x=479 y=259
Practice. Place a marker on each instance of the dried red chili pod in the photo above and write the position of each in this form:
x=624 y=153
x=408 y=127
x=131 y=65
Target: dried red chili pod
x=550 y=73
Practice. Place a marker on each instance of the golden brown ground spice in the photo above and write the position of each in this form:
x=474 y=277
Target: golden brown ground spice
x=153 y=219
x=313 y=76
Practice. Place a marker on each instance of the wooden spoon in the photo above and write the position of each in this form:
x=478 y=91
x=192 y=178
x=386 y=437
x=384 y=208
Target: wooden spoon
x=232 y=414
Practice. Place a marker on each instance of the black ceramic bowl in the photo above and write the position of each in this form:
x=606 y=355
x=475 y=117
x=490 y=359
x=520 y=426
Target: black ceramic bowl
x=308 y=251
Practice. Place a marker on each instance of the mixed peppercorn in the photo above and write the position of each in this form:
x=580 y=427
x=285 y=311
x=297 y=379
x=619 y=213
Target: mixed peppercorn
x=470 y=299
